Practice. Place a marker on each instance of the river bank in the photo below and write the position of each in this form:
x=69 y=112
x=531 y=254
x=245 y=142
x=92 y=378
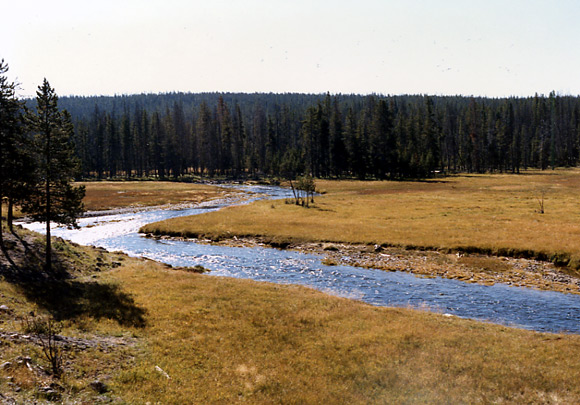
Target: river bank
x=470 y=268
x=180 y=336
x=495 y=214
x=137 y=331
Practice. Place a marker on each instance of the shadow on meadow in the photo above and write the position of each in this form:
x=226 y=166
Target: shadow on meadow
x=69 y=299
x=60 y=292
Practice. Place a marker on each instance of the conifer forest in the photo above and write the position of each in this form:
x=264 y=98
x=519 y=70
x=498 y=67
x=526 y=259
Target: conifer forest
x=333 y=136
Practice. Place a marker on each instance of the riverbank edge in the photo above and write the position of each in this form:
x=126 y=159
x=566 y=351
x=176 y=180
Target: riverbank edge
x=405 y=340
x=474 y=267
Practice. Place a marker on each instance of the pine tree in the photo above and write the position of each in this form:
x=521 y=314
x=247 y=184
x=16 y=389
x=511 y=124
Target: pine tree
x=11 y=170
x=225 y=131
x=238 y=141
x=338 y=155
x=127 y=145
x=431 y=143
x=55 y=199
x=310 y=133
x=156 y=146
x=207 y=140
x=381 y=141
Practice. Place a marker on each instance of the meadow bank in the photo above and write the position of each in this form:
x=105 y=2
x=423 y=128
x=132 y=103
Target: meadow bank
x=138 y=331
x=485 y=215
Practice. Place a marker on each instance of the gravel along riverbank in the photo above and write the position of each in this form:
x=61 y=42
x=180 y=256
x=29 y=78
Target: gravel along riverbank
x=471 y=268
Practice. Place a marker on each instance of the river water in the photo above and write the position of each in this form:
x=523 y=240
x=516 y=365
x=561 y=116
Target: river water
x=512 y=306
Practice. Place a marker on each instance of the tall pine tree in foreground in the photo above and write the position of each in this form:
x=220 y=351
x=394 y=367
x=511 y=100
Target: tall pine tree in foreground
x=9 y=108
x=16 y=165
x=55 y=199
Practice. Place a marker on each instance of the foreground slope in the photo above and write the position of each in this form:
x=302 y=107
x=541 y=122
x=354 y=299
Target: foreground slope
x=137 y=331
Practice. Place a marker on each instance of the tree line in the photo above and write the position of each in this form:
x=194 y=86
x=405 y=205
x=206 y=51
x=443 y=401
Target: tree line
x=380 y=137
x=37 y=160
x=43 y=148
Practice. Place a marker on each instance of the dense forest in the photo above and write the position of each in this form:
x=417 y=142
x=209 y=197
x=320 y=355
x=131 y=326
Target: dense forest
x=237 y=135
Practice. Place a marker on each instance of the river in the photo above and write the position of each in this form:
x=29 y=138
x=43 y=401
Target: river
x=507 y=305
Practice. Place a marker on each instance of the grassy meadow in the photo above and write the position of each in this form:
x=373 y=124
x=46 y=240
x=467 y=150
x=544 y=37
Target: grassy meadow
x=153 y=334
x=492 y=213
x=179 y=337
x=104 y=195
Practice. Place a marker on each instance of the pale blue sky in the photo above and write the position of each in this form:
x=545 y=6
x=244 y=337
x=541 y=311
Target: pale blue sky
x=491 y=48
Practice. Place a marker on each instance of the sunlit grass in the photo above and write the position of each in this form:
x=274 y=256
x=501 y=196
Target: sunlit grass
x=205 y=339
x=104 y=195
x=16 y=212
x=120 y=194
x=227 y=340
x=488 y=213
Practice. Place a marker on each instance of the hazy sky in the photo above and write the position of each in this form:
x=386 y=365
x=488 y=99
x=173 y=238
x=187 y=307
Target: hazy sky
x=470 y=47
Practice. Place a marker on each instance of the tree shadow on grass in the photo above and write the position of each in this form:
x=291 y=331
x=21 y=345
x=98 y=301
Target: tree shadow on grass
x=61 y=293
x=69 y=299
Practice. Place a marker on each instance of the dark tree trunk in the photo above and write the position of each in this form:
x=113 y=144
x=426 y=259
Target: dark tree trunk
x=10 y=214
x=48 y=262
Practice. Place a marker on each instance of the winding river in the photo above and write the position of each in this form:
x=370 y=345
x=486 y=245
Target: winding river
x=512 y=306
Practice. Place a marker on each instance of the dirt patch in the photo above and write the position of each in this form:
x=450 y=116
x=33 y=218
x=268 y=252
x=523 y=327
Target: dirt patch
x=103 y=343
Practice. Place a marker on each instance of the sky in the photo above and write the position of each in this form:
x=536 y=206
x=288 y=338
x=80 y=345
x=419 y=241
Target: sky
x=493 y=48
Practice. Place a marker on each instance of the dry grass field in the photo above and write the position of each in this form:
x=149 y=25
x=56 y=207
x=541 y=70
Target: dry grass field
x=105 y=195
x=122 y=194
x=176 y=337
x=153 y=334
x=225 y=340
x=494 y=214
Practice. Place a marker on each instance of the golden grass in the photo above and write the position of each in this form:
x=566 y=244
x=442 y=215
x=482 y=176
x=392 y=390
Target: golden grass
x=15 y=211
x=484 y=213
x=120 y=194
x=226 y=340
x=209 y=339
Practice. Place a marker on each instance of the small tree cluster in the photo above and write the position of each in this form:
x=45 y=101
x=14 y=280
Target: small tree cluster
x=303 y=190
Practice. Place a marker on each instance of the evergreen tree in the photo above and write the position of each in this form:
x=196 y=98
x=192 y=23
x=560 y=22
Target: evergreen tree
x=348 y=135
x=55 y=199
x=180 y=140
x=114 y=147
x=128 y=145
x=431 y=139
x=553 y=130
x=14 y=169
x=338 y=156
x=238 y=141
x=310 y=133
x=207 y=145
x=225 y=130
x=156 y=146
x=381 y=143
x=98 y=152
